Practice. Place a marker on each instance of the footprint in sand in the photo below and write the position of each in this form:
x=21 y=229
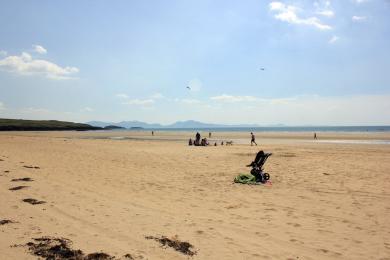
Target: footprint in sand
x=294 y=224
x=296 y=241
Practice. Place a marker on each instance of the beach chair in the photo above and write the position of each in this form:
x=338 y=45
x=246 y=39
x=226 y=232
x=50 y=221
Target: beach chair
x=257 y=167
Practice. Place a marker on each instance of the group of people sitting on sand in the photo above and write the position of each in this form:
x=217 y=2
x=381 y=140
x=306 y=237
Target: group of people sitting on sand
x=204 y=142
x=198 y=141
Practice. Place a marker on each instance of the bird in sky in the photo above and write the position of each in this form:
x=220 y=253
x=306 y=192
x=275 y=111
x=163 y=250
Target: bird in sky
x=262 y=68
x=188 y=87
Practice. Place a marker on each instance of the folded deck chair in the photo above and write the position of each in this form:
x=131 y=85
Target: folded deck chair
x=260 y=160
x=257 y=173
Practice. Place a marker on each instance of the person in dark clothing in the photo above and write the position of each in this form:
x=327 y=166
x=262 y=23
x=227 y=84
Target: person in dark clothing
x=253 y=139
x=197 y=139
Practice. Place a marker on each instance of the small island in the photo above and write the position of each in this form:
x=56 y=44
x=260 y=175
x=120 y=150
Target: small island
x=113 y=127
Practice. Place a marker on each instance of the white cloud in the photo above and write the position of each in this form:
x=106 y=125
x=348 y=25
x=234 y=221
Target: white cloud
x=356 y=18
x=2 y=106
x=289 y=14
x=122 y=96
x=39 y=49
x=3 y=53
x=140 y=102
x=327 y=13
x=323 y=8
x=25 y=64
x=360 y=1
x=232 y=99
x=333 y=39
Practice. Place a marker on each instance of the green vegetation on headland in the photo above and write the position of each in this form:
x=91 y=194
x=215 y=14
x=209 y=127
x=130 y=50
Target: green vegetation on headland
x=42 y=125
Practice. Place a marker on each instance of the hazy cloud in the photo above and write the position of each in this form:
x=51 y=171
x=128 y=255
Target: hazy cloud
x=140 y=102
x=333 y=39
x=34 y=110
x=323 y=8
x=189 y=101
x=87 y=109
x=327 y=13
x=308 y=109
x=25 y=64
x=3 y=53
x=2 y=106
x=231 y=99
x=195 y=85
x=123 y=96
x=39 y=49
x=289 y=14
x=356 y=18
x=157 y=96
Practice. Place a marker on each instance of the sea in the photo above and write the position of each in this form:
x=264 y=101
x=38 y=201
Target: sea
x=281 y=129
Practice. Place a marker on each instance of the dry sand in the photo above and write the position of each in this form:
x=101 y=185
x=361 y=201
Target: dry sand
x=326 y=200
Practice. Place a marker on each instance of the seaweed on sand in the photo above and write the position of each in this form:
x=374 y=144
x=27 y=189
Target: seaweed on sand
x=52 y=248
x=18 y=188
x=5 y=221
x=34 y=201
x=175 y=243
x=23 y=179
x=31 y=167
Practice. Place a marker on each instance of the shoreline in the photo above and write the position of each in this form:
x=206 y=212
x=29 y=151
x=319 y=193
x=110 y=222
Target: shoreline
x=185 y=135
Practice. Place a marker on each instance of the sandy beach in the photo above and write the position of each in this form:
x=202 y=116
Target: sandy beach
x=107 y=191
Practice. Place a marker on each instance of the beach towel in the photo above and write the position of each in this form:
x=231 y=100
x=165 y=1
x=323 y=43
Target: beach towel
x=246 y=178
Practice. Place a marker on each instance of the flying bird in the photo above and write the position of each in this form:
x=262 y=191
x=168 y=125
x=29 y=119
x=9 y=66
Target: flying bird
x=188 y=87
x=262 y=68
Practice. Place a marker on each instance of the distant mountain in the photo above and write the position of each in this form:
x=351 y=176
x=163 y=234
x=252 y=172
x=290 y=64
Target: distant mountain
x=192 y=124
x=113 y=127
x=99 y=123
x=179 y=124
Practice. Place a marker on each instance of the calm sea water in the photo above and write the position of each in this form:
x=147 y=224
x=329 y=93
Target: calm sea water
x=286 y=129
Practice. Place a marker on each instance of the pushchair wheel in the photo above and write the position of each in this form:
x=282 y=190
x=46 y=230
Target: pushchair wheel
x=266 y=176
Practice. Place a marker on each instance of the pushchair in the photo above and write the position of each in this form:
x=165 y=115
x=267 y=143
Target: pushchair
x=257 y=167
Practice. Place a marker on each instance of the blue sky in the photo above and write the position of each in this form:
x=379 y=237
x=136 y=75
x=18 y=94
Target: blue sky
x=326 y=62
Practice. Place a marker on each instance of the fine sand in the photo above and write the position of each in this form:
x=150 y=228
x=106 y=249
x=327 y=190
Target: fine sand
x=107 y=191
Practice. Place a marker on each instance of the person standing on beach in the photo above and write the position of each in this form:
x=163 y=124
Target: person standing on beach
x=152 y=133
x=209 y=134
x=253 y=139
x=315 y=136
x=197 y=139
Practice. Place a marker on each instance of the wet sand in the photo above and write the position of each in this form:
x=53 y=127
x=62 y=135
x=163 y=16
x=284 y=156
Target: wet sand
x=325 y=200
